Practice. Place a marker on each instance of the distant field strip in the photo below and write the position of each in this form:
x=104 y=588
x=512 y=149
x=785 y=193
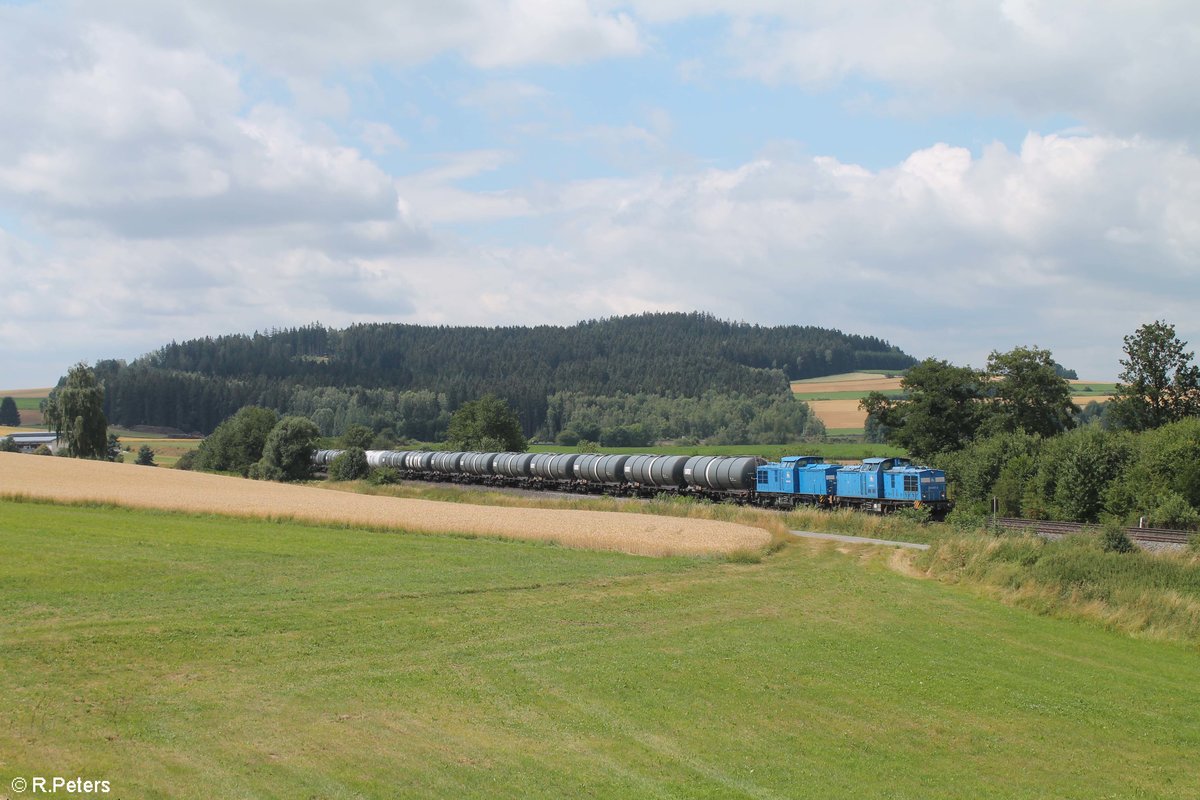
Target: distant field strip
x=17 y=394
x=834 y=398
x=1088 y=387
x=849 y=395
x=147 y=487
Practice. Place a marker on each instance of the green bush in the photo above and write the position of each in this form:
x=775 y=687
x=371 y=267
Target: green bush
x=967 y=519
x=921 y=516
x=383 y=476
x=567 y=438
x=237 y=442
x=263 y=471
x=349 y=465
x=1114 y=539
x=287 y=453
x=1172 y=510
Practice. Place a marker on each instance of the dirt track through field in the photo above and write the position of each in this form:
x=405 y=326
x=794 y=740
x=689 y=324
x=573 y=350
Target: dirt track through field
x=147 y=487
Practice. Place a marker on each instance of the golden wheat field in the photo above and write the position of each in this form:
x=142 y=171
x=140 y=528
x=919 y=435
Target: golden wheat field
x=839 y=413
x=148 y=487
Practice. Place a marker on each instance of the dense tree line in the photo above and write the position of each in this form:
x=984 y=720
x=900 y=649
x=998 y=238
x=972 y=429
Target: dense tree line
x=635 y=420
x=1009 y=433
x=410 y=377
x=1085 y=475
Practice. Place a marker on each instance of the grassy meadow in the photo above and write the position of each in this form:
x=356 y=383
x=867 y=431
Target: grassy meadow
x=201 y=656
x=167 y=451
x=844 y=395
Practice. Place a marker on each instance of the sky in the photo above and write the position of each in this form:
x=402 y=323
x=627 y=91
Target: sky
x=955 y=177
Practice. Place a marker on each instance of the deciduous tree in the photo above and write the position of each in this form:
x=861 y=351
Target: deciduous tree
x=943 y=408
x=287 y=454
x=1159 y=384
x=238 y=442
x=359 y=436
x=486 y=424
x=1028 y=392
x=75 y=410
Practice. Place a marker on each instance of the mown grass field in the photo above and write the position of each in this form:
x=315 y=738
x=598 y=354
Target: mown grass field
x=182 y=656
x=167 y=451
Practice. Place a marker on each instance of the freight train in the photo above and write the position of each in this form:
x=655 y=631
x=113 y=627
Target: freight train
x=877 y=484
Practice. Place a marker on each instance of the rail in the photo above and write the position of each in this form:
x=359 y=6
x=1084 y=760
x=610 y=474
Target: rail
x=1046 y=528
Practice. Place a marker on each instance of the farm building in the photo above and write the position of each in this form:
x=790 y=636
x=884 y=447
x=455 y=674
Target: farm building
x=28 y=442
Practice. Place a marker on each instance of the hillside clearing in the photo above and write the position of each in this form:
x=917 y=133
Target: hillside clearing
x=147 y=487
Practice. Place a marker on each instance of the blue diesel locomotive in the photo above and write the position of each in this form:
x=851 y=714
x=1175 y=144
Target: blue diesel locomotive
x=877 y=484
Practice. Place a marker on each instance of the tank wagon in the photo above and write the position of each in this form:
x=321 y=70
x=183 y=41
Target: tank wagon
x=877 y=484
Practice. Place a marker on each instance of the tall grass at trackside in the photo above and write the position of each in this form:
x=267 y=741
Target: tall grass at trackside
x=1153 y=595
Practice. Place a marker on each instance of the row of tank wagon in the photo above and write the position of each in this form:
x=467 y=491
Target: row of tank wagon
x=879 y=484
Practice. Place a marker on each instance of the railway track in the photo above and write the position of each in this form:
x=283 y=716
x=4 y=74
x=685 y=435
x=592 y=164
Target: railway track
x=1044 y=528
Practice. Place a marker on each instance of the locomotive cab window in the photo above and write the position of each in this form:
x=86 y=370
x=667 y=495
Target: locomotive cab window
x=910 y=483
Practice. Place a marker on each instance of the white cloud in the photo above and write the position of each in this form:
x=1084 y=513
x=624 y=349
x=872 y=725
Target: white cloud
x=146 y=141
x=1120 y=67
x=309 y=38
x=505 y=98
x=381 y=138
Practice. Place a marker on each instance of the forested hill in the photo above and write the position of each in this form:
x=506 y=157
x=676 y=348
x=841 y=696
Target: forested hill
x=195 y=384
